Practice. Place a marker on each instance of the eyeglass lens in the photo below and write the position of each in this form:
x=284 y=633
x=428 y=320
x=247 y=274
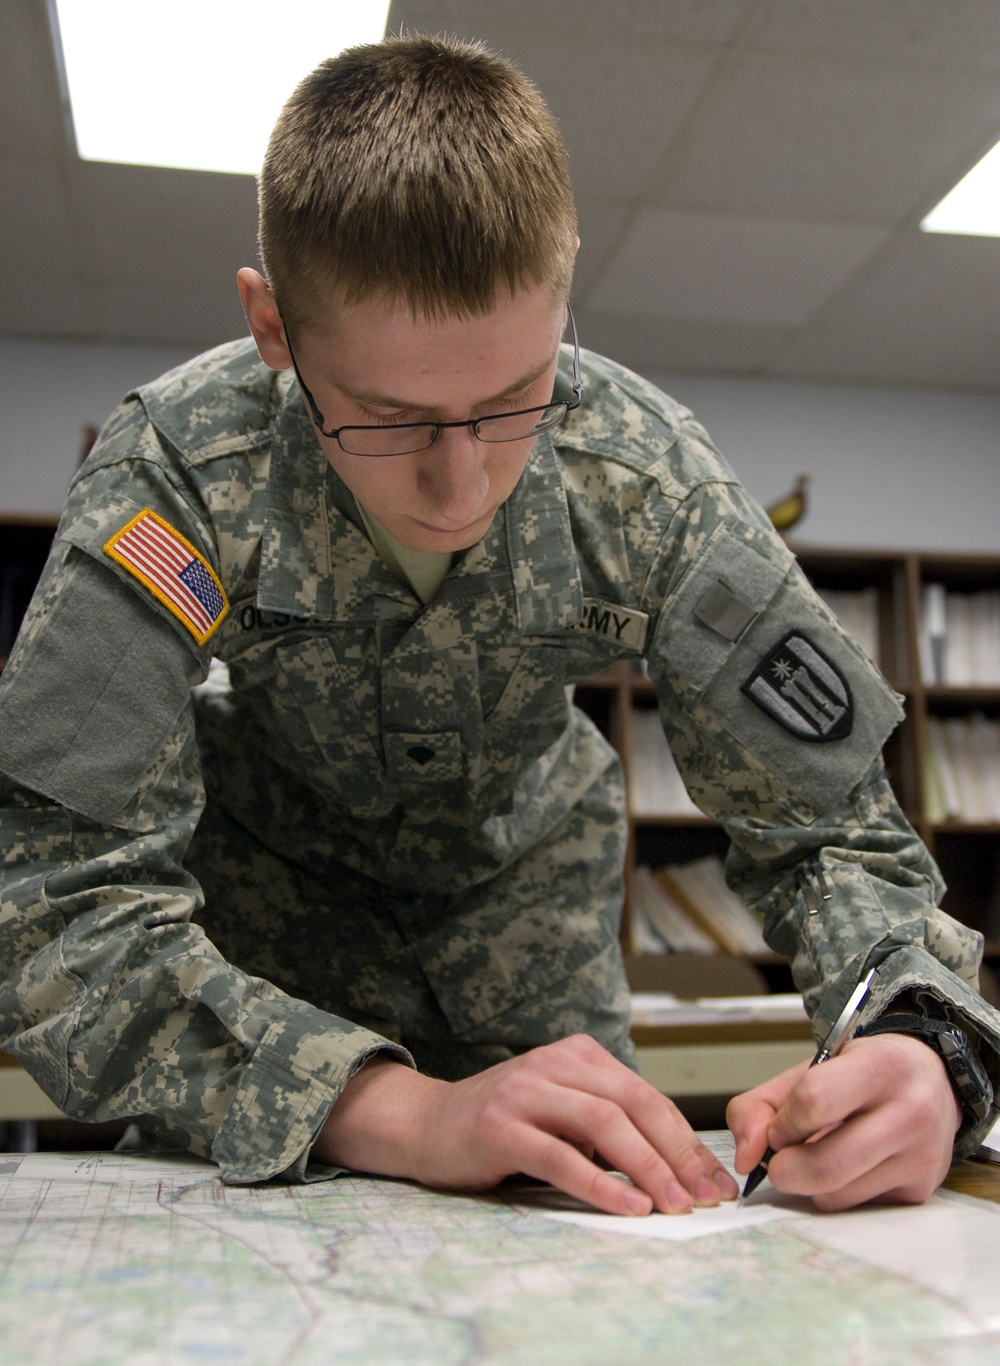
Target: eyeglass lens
x=411 y=437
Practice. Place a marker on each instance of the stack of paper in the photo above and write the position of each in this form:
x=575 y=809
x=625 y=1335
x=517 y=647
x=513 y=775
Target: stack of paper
x=661 y=1008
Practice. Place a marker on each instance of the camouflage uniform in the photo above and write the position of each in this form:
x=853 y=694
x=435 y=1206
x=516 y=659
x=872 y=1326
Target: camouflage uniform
x=393 y=831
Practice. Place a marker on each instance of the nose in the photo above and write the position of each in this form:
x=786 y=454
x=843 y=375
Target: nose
x=453 y=478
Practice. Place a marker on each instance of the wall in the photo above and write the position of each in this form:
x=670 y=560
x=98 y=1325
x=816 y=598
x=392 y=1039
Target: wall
x=48 y=390
x=892 y=467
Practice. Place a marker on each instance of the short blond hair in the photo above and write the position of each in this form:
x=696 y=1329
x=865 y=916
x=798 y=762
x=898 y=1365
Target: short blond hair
x=423 y=169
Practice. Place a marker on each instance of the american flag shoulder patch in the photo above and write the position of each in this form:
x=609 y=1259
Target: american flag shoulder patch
x=173 y=571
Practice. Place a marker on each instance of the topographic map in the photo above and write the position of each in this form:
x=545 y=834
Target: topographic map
x=151 y=1261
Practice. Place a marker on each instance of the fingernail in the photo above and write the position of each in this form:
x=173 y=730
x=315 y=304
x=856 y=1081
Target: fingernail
x=706 y=1192
x=678 y=1199
x=725 y=1184
x=636 y=1202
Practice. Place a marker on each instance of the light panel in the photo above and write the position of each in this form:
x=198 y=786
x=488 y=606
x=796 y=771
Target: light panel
x=195 y=84
x=973 y=206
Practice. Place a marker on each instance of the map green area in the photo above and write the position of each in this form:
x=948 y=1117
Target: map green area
x=146 y=1260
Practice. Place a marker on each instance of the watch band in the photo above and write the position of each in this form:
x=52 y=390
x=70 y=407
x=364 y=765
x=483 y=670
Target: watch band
x=952 y=1045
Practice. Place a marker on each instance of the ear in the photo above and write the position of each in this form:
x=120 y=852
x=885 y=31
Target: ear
x=264 y=319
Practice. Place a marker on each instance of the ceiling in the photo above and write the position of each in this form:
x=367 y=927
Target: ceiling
x=750 y=176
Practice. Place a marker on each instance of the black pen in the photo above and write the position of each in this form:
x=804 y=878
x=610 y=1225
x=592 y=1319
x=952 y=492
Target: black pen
x=830 y=1047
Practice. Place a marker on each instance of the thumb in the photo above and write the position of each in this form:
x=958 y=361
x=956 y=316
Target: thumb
x=749 y=1118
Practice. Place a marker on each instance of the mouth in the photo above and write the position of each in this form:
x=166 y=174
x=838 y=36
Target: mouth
x=446 y=530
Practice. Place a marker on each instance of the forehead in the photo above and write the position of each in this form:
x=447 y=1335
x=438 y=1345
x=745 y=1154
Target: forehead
x=367 y=342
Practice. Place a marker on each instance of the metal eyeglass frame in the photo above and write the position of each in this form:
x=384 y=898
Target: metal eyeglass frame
x=436 y=428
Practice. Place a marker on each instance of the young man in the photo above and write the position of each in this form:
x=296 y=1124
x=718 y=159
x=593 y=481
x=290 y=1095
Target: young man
x=407 y=526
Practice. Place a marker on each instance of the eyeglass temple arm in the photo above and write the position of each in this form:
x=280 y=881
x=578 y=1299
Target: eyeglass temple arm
x=577 y=377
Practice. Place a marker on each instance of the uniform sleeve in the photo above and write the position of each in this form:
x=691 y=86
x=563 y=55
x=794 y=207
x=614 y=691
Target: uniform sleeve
x=777 y=720
x=111 y=995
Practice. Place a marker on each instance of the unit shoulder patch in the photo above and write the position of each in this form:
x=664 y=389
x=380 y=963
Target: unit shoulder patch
x=171 y=568
x=802 y=690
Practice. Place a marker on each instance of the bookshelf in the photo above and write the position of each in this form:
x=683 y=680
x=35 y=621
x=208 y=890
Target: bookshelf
x=888 y=588
x=25 y=541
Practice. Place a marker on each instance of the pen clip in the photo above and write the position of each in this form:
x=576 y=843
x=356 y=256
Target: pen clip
x=848 y=1017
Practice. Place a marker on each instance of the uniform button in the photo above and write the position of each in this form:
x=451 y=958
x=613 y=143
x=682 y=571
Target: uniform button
x=421 y=754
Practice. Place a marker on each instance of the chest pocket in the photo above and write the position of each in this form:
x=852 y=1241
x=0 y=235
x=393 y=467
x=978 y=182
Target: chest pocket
x=323 y=711
x=741 y=613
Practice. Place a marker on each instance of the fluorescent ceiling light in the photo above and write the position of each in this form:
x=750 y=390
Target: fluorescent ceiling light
x=195 y=84
x=973 y=206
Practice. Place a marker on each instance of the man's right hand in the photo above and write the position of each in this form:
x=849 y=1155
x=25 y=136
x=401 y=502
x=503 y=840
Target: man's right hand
x=546 y=1114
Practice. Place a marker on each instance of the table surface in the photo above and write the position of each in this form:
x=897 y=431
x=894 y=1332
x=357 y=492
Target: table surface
x=151 y=1262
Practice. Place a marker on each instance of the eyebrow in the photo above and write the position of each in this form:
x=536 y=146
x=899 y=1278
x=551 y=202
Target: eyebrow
x=377 y=400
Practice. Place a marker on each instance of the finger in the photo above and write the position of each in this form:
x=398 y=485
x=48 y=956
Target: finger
x=625 y=1148
x=901 y=1178
x=823 y=1097
x=862 y=1160
x=750 y=1115
x=581 y=1064
x=562 y=1165
x=669 y=1135
x=837 y=1162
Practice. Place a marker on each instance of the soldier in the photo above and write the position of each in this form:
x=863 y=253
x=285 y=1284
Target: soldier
x=352 y=899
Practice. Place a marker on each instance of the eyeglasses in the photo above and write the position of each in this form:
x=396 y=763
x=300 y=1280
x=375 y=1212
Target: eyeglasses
x=404 y=438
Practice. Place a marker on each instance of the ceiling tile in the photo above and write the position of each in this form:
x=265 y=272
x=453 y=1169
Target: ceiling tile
x=884 y=353
x=951 y=281
x=703 y=21
x=162 y=313
x=730 y=269
x=49 y=305
x=602 y=221
x=962 y=34
x=136 y=220
x=35 y=233
x=31 y=119
x=648 y=344
x=805 y=136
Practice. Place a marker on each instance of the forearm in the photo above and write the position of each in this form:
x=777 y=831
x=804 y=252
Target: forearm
x=120 y=1006
x=875 y=905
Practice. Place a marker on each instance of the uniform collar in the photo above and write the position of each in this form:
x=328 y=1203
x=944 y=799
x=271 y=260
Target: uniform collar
x=543 y=556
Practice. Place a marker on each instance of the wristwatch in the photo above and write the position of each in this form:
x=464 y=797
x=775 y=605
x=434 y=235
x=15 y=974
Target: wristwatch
x=968 y=1076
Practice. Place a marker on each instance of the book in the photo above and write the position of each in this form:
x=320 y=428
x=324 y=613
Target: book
x=960 y=637
x=660 y=924
x=962 y=766
x=933 y=634
x=701 y=889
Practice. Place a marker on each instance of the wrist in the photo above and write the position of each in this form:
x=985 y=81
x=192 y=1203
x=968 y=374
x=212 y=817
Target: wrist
x=377 y=1120
x=971 y=1088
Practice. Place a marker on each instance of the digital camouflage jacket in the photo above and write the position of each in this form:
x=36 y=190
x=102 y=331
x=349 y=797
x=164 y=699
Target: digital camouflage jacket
x=388 y=828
